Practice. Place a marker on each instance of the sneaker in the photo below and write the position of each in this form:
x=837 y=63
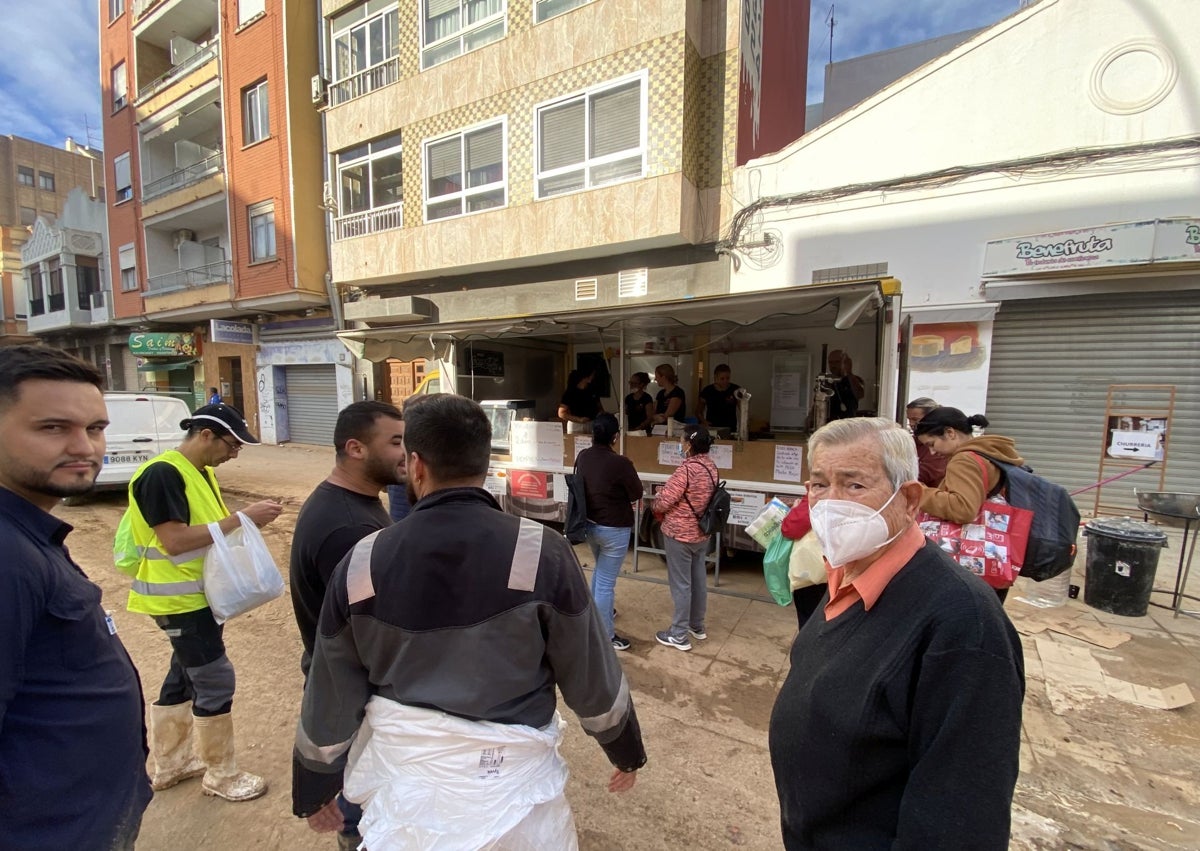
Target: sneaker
x=620 y=643
x=665 y=638
x=697 y=634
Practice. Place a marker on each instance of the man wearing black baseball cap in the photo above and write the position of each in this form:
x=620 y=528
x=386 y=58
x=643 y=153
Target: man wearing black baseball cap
x=172 y=499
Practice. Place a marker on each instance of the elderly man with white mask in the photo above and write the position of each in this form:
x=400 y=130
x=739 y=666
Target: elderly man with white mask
x=899 y=723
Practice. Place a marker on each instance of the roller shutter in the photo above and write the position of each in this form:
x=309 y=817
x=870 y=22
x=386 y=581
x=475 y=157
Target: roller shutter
x=1051 y=366
x=312 y=403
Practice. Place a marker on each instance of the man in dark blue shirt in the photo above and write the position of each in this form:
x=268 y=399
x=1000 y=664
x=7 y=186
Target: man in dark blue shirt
x=72 y=737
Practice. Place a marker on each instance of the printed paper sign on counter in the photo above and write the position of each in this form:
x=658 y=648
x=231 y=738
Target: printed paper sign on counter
x=537 y=444
x=668 y=454
x=788 y=463
x=560 y=487
x=527 y=483
x=496 y=483
x=581 y=443
x=722 y=455
x=744 y=506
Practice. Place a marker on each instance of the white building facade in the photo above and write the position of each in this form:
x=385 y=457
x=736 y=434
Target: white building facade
x=1037 y=193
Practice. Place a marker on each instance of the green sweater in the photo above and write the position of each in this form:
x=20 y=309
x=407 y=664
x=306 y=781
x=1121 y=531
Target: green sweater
x=900 y=727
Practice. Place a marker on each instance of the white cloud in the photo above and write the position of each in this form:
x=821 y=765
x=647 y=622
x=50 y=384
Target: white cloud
x=867 y=26
x=49 y=70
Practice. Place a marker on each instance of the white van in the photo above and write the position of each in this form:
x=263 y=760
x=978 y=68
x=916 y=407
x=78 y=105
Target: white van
x=141 y=425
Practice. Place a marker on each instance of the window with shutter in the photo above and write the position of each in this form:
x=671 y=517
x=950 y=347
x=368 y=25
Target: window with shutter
x=450 y=28
x=543 y=10
x=262 y=231
x=127 y=260
x=124 y=180
x=591 y=139
x=466 y=172
x=363 y=38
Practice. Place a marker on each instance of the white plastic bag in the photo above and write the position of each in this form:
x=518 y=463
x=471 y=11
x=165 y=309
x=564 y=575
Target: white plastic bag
x=429 y=781
x=239 y=573
x=807 y=564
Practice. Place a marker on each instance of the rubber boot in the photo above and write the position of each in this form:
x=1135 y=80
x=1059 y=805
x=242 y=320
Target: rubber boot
x=214 y=743
x=171 y=745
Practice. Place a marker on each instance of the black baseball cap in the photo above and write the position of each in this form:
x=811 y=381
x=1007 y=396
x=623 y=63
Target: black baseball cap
x=229 y=419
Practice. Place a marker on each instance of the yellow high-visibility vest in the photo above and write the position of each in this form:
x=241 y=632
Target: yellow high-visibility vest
x=172 y=584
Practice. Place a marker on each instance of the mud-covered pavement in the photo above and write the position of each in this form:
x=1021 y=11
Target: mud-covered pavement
x=1097 y=771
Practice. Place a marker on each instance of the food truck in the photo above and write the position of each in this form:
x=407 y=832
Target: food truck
x=776 y=344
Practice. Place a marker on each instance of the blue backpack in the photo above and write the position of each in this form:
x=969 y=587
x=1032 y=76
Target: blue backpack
x=1055 y=527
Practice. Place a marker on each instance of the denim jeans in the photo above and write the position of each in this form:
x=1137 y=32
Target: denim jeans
x=687 y=574
x=609 y=545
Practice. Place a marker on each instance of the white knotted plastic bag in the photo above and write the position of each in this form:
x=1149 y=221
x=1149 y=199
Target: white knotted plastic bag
x=239 y=572
x=433 y=782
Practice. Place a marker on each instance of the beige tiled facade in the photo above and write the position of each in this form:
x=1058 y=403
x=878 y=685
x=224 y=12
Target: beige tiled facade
x=684 y=49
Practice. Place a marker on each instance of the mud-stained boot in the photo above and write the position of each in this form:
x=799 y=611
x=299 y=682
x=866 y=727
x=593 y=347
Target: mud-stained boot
x=214 y=743
x=171 y=745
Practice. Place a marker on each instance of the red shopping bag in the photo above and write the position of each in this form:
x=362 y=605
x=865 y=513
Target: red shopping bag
x=992 y=546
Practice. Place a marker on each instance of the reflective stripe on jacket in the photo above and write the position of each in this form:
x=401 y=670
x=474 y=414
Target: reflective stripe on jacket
x=166 y=584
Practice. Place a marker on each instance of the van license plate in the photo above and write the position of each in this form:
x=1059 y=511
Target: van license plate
x=124 y=459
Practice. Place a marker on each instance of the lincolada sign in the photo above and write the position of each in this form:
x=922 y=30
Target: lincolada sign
x=1128 y=244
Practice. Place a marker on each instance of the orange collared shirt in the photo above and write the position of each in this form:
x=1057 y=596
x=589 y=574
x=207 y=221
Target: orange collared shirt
x=869 y=585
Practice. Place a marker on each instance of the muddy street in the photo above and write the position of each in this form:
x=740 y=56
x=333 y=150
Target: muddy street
x=1097 y=771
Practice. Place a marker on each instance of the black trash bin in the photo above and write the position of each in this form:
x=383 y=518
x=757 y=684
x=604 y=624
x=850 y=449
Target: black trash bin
x=1122 y=557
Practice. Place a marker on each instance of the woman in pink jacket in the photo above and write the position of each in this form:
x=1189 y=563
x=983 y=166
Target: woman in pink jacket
x=677 y=505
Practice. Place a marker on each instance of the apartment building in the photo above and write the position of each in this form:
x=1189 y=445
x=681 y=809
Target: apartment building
x=525 y=159
x=35 y=180
x=215 y=211
x=69 y=294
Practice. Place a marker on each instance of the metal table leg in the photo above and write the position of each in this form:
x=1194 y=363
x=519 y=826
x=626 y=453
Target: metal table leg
x=1185 y=569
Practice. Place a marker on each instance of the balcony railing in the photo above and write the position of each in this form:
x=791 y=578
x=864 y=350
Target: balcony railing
x=209 y=51
x=369 y=221
x=184 y=176
x=83 y=298
x=197 y=276
x=141 y=7
x=37 y=307
x=365 y=82
x=55 y=302
x=98 y=300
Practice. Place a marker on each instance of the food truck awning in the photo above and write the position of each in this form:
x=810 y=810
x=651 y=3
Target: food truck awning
x=845 y=301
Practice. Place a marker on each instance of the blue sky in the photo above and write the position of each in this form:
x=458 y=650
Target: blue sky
x=867 y=26
x=50 y=78
x=49 y=70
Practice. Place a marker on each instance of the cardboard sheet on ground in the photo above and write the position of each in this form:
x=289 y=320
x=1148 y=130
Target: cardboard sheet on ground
x=1071 y=670
x=1032 y=621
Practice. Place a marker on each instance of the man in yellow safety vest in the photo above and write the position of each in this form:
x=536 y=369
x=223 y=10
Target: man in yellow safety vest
x=172 y=499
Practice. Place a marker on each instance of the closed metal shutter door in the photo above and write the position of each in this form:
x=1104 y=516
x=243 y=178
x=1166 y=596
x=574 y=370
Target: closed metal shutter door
x=1052 y=363
x=312 y=403
x=126 y=363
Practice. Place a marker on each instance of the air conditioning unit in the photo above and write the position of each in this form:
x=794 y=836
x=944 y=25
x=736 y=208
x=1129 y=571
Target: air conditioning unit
x=318 y=89
x=181 y=236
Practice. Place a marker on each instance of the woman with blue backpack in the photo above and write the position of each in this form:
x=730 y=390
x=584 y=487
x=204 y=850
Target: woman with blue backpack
x=970 y=476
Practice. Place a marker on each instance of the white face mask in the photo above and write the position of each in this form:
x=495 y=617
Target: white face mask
x=849 y=531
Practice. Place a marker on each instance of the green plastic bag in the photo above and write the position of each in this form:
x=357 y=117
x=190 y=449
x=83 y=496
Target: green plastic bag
x=127 y=556
x=775 y=568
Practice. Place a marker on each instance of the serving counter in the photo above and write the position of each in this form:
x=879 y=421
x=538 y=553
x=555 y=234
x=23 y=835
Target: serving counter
x=748 y=468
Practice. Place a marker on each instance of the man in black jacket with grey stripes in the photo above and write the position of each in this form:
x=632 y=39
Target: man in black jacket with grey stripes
x=462 y=610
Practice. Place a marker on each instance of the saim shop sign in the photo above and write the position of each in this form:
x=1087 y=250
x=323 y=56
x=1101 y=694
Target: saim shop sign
x=163 y=344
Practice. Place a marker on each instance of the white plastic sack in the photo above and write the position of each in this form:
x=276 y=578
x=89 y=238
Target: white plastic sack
x=239 y=573
x=807 y=564
x=433 y=782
